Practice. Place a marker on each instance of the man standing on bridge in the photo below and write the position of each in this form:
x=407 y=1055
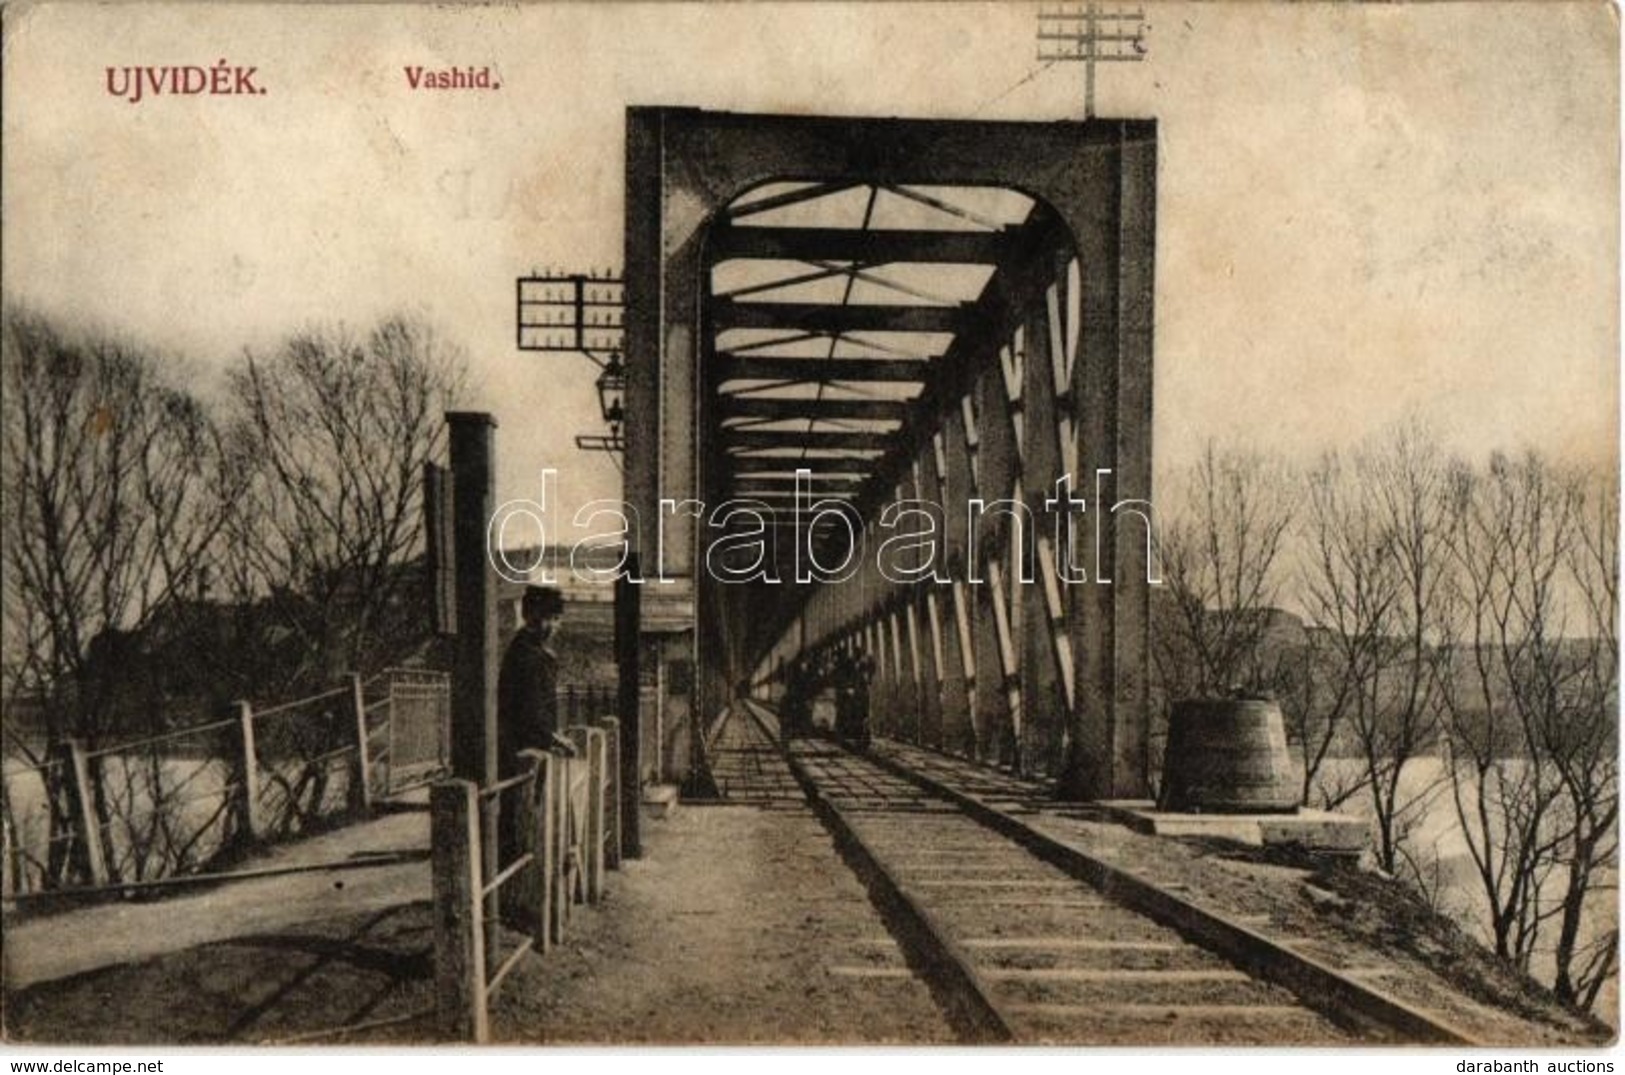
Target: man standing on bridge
x=527 y=702
x=527 y=687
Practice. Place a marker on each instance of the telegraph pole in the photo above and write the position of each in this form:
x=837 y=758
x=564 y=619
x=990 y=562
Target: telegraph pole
x=1089 y=35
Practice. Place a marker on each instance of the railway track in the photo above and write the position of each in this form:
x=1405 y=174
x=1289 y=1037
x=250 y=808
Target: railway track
x=1025 y=946
x=748 y=764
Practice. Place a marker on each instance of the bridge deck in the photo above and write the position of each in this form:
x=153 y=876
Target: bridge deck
x=748 y=764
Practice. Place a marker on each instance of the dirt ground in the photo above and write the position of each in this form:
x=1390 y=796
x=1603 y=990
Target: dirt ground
x=308 y=882
x=743 y=927
x=267 y=987
x=740 y=925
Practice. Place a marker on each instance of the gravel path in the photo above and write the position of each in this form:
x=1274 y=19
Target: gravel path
x=742 y=925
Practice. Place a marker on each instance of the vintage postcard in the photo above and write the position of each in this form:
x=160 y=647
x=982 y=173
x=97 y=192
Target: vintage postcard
x=820 y=523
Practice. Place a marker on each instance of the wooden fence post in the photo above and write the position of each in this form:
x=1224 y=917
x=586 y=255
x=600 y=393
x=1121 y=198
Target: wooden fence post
x=8 y=884
x=535 y=885
x=361 y=775
x=559 y=773
x=252 y=821
x=612 y=793
x=459 y=934
x=590 y=745
x=595 y=814
x=489 y=810
x=84 y=811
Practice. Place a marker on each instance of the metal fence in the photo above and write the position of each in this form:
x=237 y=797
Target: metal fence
x=408 y=728
x=174 y=803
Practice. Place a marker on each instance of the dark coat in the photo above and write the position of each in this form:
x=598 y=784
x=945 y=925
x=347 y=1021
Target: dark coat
x=527 y=703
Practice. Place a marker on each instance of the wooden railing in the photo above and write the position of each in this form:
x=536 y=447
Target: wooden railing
x=565 y=815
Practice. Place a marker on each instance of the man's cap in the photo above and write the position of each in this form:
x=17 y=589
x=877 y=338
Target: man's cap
x=543 y=601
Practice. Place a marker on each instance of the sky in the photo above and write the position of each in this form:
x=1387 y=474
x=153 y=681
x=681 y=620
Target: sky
x=1367 y=213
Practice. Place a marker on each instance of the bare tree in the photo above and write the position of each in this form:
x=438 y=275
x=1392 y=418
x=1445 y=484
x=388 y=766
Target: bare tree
x=333 y=429
x=1348 y=594
x=1535 y=760
x=1373 y=583
x=109 y=476
x=1510 y=535
x=1580 y=734
x=1316 y=691
x=1219 y=551
x=1219 y=548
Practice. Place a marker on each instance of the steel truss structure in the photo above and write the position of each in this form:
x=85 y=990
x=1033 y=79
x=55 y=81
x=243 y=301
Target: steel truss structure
x=948 y=311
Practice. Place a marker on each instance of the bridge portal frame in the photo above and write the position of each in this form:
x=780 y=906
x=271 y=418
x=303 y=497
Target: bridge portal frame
x=1098 y=178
